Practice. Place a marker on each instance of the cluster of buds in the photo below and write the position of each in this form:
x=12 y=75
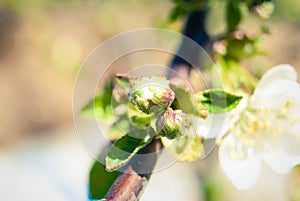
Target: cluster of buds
x=149 y=93
x=172 y=123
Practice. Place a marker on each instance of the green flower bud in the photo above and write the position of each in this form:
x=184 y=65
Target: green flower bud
x=138 y=98
x=172 y=124
x=163 y=98
x=150 y=92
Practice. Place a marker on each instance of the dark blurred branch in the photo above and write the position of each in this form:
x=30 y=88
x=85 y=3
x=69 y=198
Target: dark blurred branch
x=131 y=183
x=194 y=30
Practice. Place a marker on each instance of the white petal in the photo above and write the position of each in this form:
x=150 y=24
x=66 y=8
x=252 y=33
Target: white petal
x=280 y=161
x=276 y=94
x=289 y=143
x=242 y=172
x=215 y=125
x=280 y=72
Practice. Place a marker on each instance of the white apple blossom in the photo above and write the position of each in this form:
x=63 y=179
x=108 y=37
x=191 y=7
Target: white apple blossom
x=265 y=128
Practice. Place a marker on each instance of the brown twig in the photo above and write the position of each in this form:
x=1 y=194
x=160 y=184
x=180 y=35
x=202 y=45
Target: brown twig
x=127 y=187
x=131 y=183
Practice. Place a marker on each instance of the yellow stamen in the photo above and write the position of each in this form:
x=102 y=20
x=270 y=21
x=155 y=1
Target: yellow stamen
x=231 y=128
x=296 y=135
x=273 y=133
x=277 y=125
x=288 y=104
x=267 y=111
x=251 y=131
x=278 y=141
x=219 y=141
x=274 y=150
x=266 y=126
x=237 y=155
x=283 y=111
x=249 y=142
x=230 y=145
x=261 y=139
x=260 y=124
x=293 y=123
x=240 y=155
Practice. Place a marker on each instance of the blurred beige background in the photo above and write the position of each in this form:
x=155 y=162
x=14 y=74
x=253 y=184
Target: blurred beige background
x=42 y=45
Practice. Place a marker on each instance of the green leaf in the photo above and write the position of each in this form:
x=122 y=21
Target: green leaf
x=100 y=107
x=184 y=7
x=264 y=28
x=187 y=148
x=138 y=117
x=119 y=128
x=233 y=14
x=126 y=147
x=185 y=101
x=123 y=81
x=100 y=180
x=242 y=48
x=218 y=101
x=141 y=121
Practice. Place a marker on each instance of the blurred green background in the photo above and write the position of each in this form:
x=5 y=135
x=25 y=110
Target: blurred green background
x=44 y=42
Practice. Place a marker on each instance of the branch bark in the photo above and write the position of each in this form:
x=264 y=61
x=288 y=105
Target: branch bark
x=131 y=183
